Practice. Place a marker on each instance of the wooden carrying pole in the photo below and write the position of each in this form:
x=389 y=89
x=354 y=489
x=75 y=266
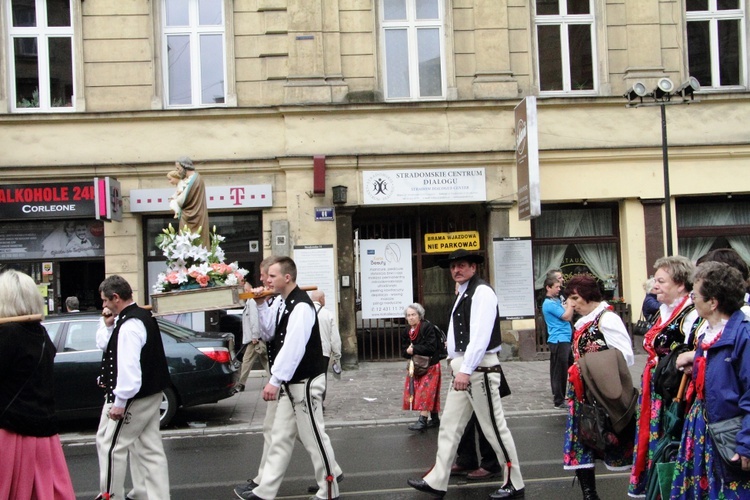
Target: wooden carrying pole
x=268 y=293
x=22 y=319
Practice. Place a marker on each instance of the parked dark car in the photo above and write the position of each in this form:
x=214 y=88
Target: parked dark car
x=200 y=365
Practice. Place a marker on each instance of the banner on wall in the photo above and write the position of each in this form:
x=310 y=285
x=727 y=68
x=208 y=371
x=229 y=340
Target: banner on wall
x=386 y=277
x=51 y=240
x=436 y=185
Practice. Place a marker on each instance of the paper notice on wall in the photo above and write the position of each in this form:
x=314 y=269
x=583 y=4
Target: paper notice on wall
x=386 y=277
x=316 y=267
x=514 y=277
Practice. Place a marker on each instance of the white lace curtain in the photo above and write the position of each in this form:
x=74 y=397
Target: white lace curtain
x=712 y=215
x=600 y=258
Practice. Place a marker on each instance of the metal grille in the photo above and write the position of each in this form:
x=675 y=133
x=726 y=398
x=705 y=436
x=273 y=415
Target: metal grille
x=380 y=339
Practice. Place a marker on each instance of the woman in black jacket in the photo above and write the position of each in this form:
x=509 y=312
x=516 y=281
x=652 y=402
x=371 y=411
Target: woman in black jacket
x=32 y=464
x=421 y=393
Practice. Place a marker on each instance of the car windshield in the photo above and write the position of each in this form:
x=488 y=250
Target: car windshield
x=175 y=330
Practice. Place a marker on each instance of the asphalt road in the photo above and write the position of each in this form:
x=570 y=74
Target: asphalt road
x=377 y=461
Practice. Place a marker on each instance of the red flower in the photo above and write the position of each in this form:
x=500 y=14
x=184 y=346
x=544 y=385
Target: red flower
x=704 y=483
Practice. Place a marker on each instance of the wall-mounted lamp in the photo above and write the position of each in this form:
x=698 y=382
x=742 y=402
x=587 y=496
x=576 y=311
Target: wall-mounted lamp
x=688 y=87
x=663 y=89
x=339 y=195
x=637 y=91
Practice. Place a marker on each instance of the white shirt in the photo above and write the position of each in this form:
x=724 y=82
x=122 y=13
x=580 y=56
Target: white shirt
x=130 y=342
x=298 y=331
x=613 y=330
x=250 y=323
x=483 y=314
x=329 y=332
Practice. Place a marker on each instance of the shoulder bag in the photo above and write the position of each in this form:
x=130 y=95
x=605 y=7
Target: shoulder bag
x=724 y=436
x=421 y=364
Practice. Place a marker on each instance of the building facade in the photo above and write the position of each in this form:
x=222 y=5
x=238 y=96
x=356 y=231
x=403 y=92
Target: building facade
x=278 y=101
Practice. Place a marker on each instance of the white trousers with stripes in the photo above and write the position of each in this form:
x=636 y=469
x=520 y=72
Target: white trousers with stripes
x=483 y=398
x=300 y=413
x=137 y=433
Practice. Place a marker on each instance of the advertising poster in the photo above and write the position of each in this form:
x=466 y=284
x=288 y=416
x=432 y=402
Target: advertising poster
x=514 y=277
x=315 y=267
x=51 y=240
x=386 y=277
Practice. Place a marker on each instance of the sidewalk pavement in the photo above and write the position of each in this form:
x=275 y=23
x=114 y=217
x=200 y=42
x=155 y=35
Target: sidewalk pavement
x=370 y=395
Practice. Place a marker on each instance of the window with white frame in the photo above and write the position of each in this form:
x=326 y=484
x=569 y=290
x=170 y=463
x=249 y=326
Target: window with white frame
x=41 y=56
x=716 y=42
x=412 y=39
x=565 y=46
x=194 y=55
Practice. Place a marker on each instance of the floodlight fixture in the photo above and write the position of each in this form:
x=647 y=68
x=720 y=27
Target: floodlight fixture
x=638 y=90
x=664 y=88
x=688 y=87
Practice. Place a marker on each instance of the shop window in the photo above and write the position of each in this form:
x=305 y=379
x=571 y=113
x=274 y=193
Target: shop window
x=705 y=225
x=41 y=56
x=243 y=242
x=578 y=241
x=412 y=33
x=565 y=39
x=194 y=52
x=716 y=42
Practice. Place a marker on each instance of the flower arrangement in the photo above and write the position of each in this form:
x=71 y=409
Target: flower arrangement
x=191 y=265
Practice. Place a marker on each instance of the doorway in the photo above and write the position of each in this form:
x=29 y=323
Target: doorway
x=379 y=339
x=80 y=278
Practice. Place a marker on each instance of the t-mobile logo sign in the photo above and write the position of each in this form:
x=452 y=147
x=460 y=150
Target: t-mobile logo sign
x=237 y=194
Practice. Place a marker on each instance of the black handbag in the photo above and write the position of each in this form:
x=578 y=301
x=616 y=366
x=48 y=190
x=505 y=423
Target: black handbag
x=724 y=436
x=594 y=427
x=667 y=377
x=642 y=326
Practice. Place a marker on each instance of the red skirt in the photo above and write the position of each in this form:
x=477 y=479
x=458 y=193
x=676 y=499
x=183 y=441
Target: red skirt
x=33 y=468
x=426 y=391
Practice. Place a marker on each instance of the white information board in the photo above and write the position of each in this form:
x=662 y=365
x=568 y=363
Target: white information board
x=315 y=267
x=386 y=277
x=514 y=277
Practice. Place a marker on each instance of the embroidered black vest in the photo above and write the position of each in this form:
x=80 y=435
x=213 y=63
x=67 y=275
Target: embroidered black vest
x=462 y=318
x=671 y=334
x=591 y=338
x=313 y=363
x=154 y=370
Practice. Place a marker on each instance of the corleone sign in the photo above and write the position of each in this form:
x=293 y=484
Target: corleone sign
x=48 y=201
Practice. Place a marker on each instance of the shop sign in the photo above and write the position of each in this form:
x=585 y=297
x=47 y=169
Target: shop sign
x=51 y=239
x=47 y=201
x=433 y=185
x=217 y=197
x=108 y=199
x=447 y=242
x=527 y=159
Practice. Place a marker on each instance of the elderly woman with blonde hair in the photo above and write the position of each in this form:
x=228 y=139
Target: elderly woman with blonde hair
x=674 y=326
x=32 y=464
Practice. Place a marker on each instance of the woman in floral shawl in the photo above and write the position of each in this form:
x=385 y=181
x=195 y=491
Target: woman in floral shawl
x=674 y=325
x=598 y=329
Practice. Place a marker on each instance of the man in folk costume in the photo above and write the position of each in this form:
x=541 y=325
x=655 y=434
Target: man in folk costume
x=473 y=344
x=192 y=201
x=297 y=381
x=134 y=373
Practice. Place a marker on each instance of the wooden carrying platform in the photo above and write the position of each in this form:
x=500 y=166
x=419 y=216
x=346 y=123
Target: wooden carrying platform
x=199 y=299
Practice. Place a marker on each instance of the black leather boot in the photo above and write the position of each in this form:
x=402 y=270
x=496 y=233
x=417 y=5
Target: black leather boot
x=434 y=420
x=587 y=478
x=420 y=424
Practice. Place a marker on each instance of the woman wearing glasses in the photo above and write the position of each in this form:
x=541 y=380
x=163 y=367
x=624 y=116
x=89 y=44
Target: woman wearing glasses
x=674 y=325
x=721 y=376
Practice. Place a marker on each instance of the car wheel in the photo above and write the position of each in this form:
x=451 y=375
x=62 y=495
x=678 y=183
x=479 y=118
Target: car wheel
x=168 y=406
